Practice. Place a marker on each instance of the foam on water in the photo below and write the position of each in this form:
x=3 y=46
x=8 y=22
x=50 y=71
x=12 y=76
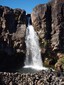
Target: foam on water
x=36 y=67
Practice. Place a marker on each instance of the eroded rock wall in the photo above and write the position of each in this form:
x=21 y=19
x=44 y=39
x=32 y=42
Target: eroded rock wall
x=12 y=36
x=57 y=41
x=41 y=20
x=48 y=21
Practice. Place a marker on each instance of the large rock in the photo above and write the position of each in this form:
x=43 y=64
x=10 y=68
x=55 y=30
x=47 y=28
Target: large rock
x=12 y=36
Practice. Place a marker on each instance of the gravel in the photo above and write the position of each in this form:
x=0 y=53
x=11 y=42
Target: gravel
x=40 y=78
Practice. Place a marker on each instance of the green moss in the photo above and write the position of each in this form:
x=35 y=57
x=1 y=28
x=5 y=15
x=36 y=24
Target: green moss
x=43 y=43
x=61 y=60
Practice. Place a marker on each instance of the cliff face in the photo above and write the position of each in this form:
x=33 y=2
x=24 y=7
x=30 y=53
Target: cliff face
x=57 y=41
x=12 y=36
x=41 y=20
x=48 y=20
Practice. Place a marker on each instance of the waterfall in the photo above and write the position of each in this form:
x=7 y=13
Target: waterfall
x=33 y=52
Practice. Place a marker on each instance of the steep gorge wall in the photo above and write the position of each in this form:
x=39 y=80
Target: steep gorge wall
x=41 y=20
x=12 y=37
x=57 y=25
x=48 y=20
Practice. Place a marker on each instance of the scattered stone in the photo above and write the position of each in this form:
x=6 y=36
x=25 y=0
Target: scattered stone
x=39 y=78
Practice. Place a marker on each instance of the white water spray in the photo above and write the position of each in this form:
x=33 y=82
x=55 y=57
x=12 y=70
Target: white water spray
x=33 y=54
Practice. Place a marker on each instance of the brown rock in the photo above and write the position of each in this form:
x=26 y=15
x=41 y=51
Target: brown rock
x=48 y=21
x=57 y=40
x=12 y=36
x=41 y=20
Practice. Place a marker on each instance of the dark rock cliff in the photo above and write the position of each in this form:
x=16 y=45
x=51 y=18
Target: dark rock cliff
x=12 y=37
x=48 y=20
x=57 y=41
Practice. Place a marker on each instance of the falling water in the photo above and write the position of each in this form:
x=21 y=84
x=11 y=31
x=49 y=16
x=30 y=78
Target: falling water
x=33 y=52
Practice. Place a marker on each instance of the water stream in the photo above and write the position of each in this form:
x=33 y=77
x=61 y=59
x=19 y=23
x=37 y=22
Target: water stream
x=33 y=53
x=33 y=61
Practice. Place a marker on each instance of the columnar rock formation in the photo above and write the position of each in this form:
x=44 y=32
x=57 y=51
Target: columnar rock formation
x=12 y=36
x=48 y=21
x=57 y=25
x=41 y=19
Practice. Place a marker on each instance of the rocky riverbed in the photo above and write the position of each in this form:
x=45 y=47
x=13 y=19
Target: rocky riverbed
x=40 y=78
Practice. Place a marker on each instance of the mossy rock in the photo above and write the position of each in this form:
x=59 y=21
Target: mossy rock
x=60 y=62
